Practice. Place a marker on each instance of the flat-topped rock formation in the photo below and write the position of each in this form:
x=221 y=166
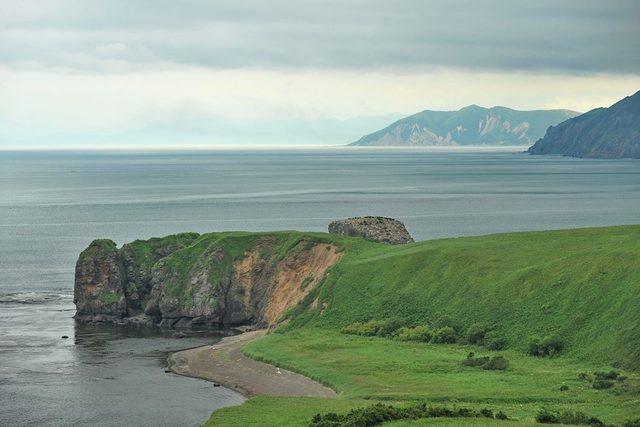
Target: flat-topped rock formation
x=376 y=228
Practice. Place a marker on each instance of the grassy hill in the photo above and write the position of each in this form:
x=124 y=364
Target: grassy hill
x=581 y=287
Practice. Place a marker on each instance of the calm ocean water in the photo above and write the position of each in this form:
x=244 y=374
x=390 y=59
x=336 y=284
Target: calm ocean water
x=53 y=204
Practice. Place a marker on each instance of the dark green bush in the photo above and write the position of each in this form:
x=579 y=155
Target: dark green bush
x=494 y=341
x=448 y=321
x=445 y=335
x=583 y=376
x=602 y=384
x=381 y=413
x=476 y=334
x=381 y=328
x=496 y=363
x=418 y=333
x=389 y=327
x=564 y=387
x=567 y=417
x=471 y=360
x=367 y=329
x=501 y=416
x=549 y=346
x=610 y=375
x=632 y=423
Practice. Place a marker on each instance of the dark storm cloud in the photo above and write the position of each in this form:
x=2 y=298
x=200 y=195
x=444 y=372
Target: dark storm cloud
x=564 y=36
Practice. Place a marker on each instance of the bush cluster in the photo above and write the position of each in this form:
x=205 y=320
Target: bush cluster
x=602 y=380
x=476 y=334
x=381 y=328
x=495 y=363
x=602 y=384
x=549 y=346
x=380 y=413
x=444 y=335
x=567 y=417
x=418 y=333
x=394 y=328
x=632 y=423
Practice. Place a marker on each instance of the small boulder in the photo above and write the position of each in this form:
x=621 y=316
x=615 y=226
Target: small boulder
x=376 y=228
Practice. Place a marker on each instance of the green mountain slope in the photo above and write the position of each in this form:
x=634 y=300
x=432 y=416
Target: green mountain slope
x=609 y=133
x=582 y=286
x=472 y=125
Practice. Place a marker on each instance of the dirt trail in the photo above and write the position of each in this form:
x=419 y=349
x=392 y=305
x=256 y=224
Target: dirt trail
x=224 y=363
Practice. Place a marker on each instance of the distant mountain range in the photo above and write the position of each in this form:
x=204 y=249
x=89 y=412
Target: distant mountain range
x=608 y=133
x=472 y=125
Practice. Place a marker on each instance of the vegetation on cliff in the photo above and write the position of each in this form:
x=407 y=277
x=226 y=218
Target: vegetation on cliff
x=577 y=287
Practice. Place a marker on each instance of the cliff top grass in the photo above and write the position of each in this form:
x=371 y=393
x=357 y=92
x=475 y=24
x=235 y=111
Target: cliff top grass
x=581 y=287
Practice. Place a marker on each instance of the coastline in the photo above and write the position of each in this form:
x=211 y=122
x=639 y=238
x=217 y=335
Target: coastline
x=223 y=363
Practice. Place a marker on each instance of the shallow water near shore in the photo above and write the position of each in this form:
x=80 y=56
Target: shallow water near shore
x=100 y=375
x=53 y=204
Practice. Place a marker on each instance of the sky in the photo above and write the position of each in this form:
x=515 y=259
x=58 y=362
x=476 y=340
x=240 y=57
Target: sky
x=127 y=74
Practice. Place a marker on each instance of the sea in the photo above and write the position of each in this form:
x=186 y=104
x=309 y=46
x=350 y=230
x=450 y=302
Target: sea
x=54 y=203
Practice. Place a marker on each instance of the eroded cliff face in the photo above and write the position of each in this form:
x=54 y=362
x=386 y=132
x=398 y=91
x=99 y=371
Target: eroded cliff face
x=217 y=279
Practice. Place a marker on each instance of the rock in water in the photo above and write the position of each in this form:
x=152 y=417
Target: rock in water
x=99 y=292
x=185 y=280
x=376 y=228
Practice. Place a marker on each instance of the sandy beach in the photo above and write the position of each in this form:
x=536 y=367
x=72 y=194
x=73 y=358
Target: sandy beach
x=225 y=364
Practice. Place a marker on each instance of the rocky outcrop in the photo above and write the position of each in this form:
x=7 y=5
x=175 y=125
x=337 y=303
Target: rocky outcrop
x=376 y=228
x=99 y=285
x=215 y=280
x=472 y=125
x=604 y=133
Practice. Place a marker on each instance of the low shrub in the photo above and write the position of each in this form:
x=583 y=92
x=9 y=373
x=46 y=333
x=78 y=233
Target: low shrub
x=389 y=327
x=381 y=413
x=602 y=384
x=418 y=333
x=632 y=423
x=381 y=328
x=501 y=416
x=610 y=375
x=564 y=387
x=583 y=376
x=448 y=321
x=471 y=360
x=549 y=346
x=476 y=334
x=567 y=417
x=367 y=329
x=496 y=363
x=494 y=341
x=445 y=335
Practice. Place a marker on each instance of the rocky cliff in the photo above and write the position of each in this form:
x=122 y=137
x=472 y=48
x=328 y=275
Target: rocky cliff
x=216 y=279
x=606 y=133
x=376 y=228
x=472 y=125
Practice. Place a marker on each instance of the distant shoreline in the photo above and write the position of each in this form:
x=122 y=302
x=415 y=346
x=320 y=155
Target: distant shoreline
x=447 y=148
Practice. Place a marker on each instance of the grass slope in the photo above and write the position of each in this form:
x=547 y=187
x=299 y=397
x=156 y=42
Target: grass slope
x=581 y=285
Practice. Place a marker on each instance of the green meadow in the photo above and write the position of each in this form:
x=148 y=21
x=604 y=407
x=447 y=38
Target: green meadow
x=580 y=288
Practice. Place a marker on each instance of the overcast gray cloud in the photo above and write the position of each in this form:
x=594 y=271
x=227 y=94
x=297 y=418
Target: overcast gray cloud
x=102 y=36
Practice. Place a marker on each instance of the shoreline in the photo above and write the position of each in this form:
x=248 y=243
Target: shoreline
x=223 y=363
